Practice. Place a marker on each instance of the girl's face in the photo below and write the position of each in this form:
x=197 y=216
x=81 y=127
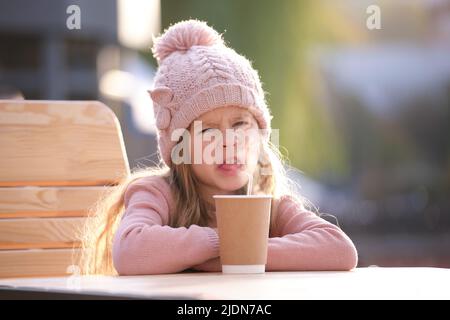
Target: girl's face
x=227 y=142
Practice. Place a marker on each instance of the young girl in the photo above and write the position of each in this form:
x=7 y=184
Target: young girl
x=162 y=220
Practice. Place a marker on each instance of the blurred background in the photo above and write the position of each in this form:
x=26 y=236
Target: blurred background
x=363 y=112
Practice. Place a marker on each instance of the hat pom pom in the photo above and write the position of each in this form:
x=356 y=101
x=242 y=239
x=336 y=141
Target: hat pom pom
x=182 y=36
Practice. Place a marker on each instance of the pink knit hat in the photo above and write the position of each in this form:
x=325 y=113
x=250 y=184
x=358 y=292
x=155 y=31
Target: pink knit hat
x=197 y=73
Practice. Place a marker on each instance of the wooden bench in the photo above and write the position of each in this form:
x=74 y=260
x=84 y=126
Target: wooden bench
x=56 y=158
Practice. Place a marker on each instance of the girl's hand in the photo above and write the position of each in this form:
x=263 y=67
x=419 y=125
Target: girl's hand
x=212 y=265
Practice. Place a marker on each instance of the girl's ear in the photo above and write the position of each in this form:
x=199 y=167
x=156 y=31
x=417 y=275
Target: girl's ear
x=161 y=95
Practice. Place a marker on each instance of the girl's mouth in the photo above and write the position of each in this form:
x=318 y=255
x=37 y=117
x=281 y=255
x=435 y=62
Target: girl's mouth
x=229 y=169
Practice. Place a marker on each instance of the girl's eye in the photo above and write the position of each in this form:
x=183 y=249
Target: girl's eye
x=240 y=123
x=206 y=129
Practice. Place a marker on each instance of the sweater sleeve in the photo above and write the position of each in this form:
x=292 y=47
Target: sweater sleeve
x=302 y=241
x=145 y=244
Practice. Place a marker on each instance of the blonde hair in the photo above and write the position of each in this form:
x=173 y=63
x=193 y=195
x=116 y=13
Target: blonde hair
x=104 y=217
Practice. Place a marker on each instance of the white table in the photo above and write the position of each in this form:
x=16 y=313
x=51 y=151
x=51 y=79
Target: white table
x=361 y=283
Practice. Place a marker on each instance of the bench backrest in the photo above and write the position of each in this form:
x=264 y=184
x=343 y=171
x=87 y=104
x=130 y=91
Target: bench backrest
x=56 y=158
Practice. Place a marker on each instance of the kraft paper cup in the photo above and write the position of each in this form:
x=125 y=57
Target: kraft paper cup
x=243 y=224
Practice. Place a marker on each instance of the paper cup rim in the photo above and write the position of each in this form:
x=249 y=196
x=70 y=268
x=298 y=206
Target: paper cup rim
x=242 y=196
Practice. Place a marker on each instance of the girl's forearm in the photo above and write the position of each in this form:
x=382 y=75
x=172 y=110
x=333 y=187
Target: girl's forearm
x=161 y=249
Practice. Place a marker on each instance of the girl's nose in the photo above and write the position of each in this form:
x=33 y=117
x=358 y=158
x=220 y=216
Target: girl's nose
x=229 y=138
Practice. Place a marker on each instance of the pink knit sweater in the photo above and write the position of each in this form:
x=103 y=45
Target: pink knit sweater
x=145 y=244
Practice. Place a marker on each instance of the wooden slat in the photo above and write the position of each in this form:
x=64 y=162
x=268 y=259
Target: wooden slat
x=39 y=245
x=41 y=232
x=35 y=263
x=54 y=143
x=18 y=202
